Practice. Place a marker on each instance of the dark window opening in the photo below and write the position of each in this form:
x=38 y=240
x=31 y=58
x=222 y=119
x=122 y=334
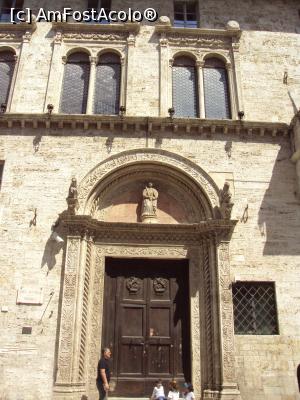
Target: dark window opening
x=75 y=84
x=185 y=14
x=216 y=92
x=184 y=86
x=1 y=172
x=298 y=376
x=7 y=66
x=254 y=307
x=107 y=86
x=6 y=7
x=97 y=5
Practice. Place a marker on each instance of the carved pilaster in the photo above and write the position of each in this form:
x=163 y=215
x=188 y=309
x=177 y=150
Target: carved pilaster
x=65 y=357
x=228 y=376
x=194 y=256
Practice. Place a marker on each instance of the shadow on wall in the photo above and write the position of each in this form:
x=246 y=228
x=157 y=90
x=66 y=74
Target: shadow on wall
x=279 y=214
x=51 y=250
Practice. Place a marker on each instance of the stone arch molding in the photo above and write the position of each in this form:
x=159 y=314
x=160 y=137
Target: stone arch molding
x=88 y=187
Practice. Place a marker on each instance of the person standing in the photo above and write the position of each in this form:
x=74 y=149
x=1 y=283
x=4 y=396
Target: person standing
x=103 y=374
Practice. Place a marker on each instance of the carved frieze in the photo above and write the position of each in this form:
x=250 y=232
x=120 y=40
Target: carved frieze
x=210 y=42
x=95 y=36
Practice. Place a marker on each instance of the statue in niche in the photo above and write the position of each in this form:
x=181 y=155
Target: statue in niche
x=72 y=197
x=225 y=202
x=149 y=206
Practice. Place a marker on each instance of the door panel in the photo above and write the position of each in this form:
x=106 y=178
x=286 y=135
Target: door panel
x=146 y=322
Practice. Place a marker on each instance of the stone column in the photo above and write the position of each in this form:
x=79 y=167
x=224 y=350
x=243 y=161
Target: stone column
x=232 y=92
x=123 y=83
x=90 y=101
x=53 y=90
x=229 y=389
x=237 y=74
x=201 y=105
x=130 y=69
x=21 y=66
x=66 y=384
x=296 y=156
x=164 y=77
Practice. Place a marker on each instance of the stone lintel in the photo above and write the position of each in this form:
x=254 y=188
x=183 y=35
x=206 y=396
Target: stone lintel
x=110 y=231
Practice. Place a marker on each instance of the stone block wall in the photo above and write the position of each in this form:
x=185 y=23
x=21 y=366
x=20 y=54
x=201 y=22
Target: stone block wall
x=266 y=247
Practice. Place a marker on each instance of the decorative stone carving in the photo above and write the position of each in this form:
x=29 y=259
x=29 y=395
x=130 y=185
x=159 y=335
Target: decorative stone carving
x=211 y=42
x=225 y=202
x=127 y=158
x=133 y=284
x=72 y=197
x=149 y=206
x=104 y=37
x=160 y=285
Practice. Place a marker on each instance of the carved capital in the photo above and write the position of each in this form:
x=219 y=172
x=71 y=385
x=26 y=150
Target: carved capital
x=131 y=40
x=27 y=37
x=58 y=38
x=93 y=60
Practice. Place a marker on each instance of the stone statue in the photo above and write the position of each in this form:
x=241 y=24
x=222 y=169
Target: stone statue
x=72 y=197
x=149 y=205
x=225 y=202
x=73 y=189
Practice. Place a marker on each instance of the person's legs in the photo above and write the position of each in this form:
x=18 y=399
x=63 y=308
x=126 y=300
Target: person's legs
x=102 y=391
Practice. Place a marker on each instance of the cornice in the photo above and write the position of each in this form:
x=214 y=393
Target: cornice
x=78 y=124
x=85 y=226
x=8 y=27
x=194 y=32
x=77 y=27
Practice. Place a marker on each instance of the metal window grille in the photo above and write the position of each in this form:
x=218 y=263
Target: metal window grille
x=7 y=66
x=107 y=86
x=185 y=14
x=184 y=84
x=6 y=7
x=216 y=93
x=75 y=84
x=254 y=307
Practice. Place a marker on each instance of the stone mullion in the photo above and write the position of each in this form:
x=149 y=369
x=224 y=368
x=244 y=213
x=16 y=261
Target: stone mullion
x=229 y=388
x=201 y=100
x=164 y=77
x=68 y=312
x=54 y=88
x=92 y=81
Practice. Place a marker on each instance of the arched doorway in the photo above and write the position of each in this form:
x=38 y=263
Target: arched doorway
x=187 y=231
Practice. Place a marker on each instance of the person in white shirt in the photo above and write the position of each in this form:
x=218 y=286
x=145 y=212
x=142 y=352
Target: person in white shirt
x=158 y=391
x=173 y=391
x=188 y=394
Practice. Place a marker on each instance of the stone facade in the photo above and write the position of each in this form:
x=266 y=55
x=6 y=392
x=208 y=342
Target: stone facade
x=42 y=153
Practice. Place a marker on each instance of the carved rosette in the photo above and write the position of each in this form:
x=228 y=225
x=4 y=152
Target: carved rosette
x=64 y=373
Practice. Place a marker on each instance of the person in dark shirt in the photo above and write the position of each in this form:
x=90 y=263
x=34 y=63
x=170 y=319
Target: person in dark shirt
x=103 y=374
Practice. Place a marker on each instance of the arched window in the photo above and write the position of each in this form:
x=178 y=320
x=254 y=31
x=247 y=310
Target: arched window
x=7 y=66
x=75 y=84
x=184 y=83
x=107 y=85
x=298 y=376
x=216 y=94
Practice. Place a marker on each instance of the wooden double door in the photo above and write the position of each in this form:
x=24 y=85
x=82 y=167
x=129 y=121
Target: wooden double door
x=146 y=323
